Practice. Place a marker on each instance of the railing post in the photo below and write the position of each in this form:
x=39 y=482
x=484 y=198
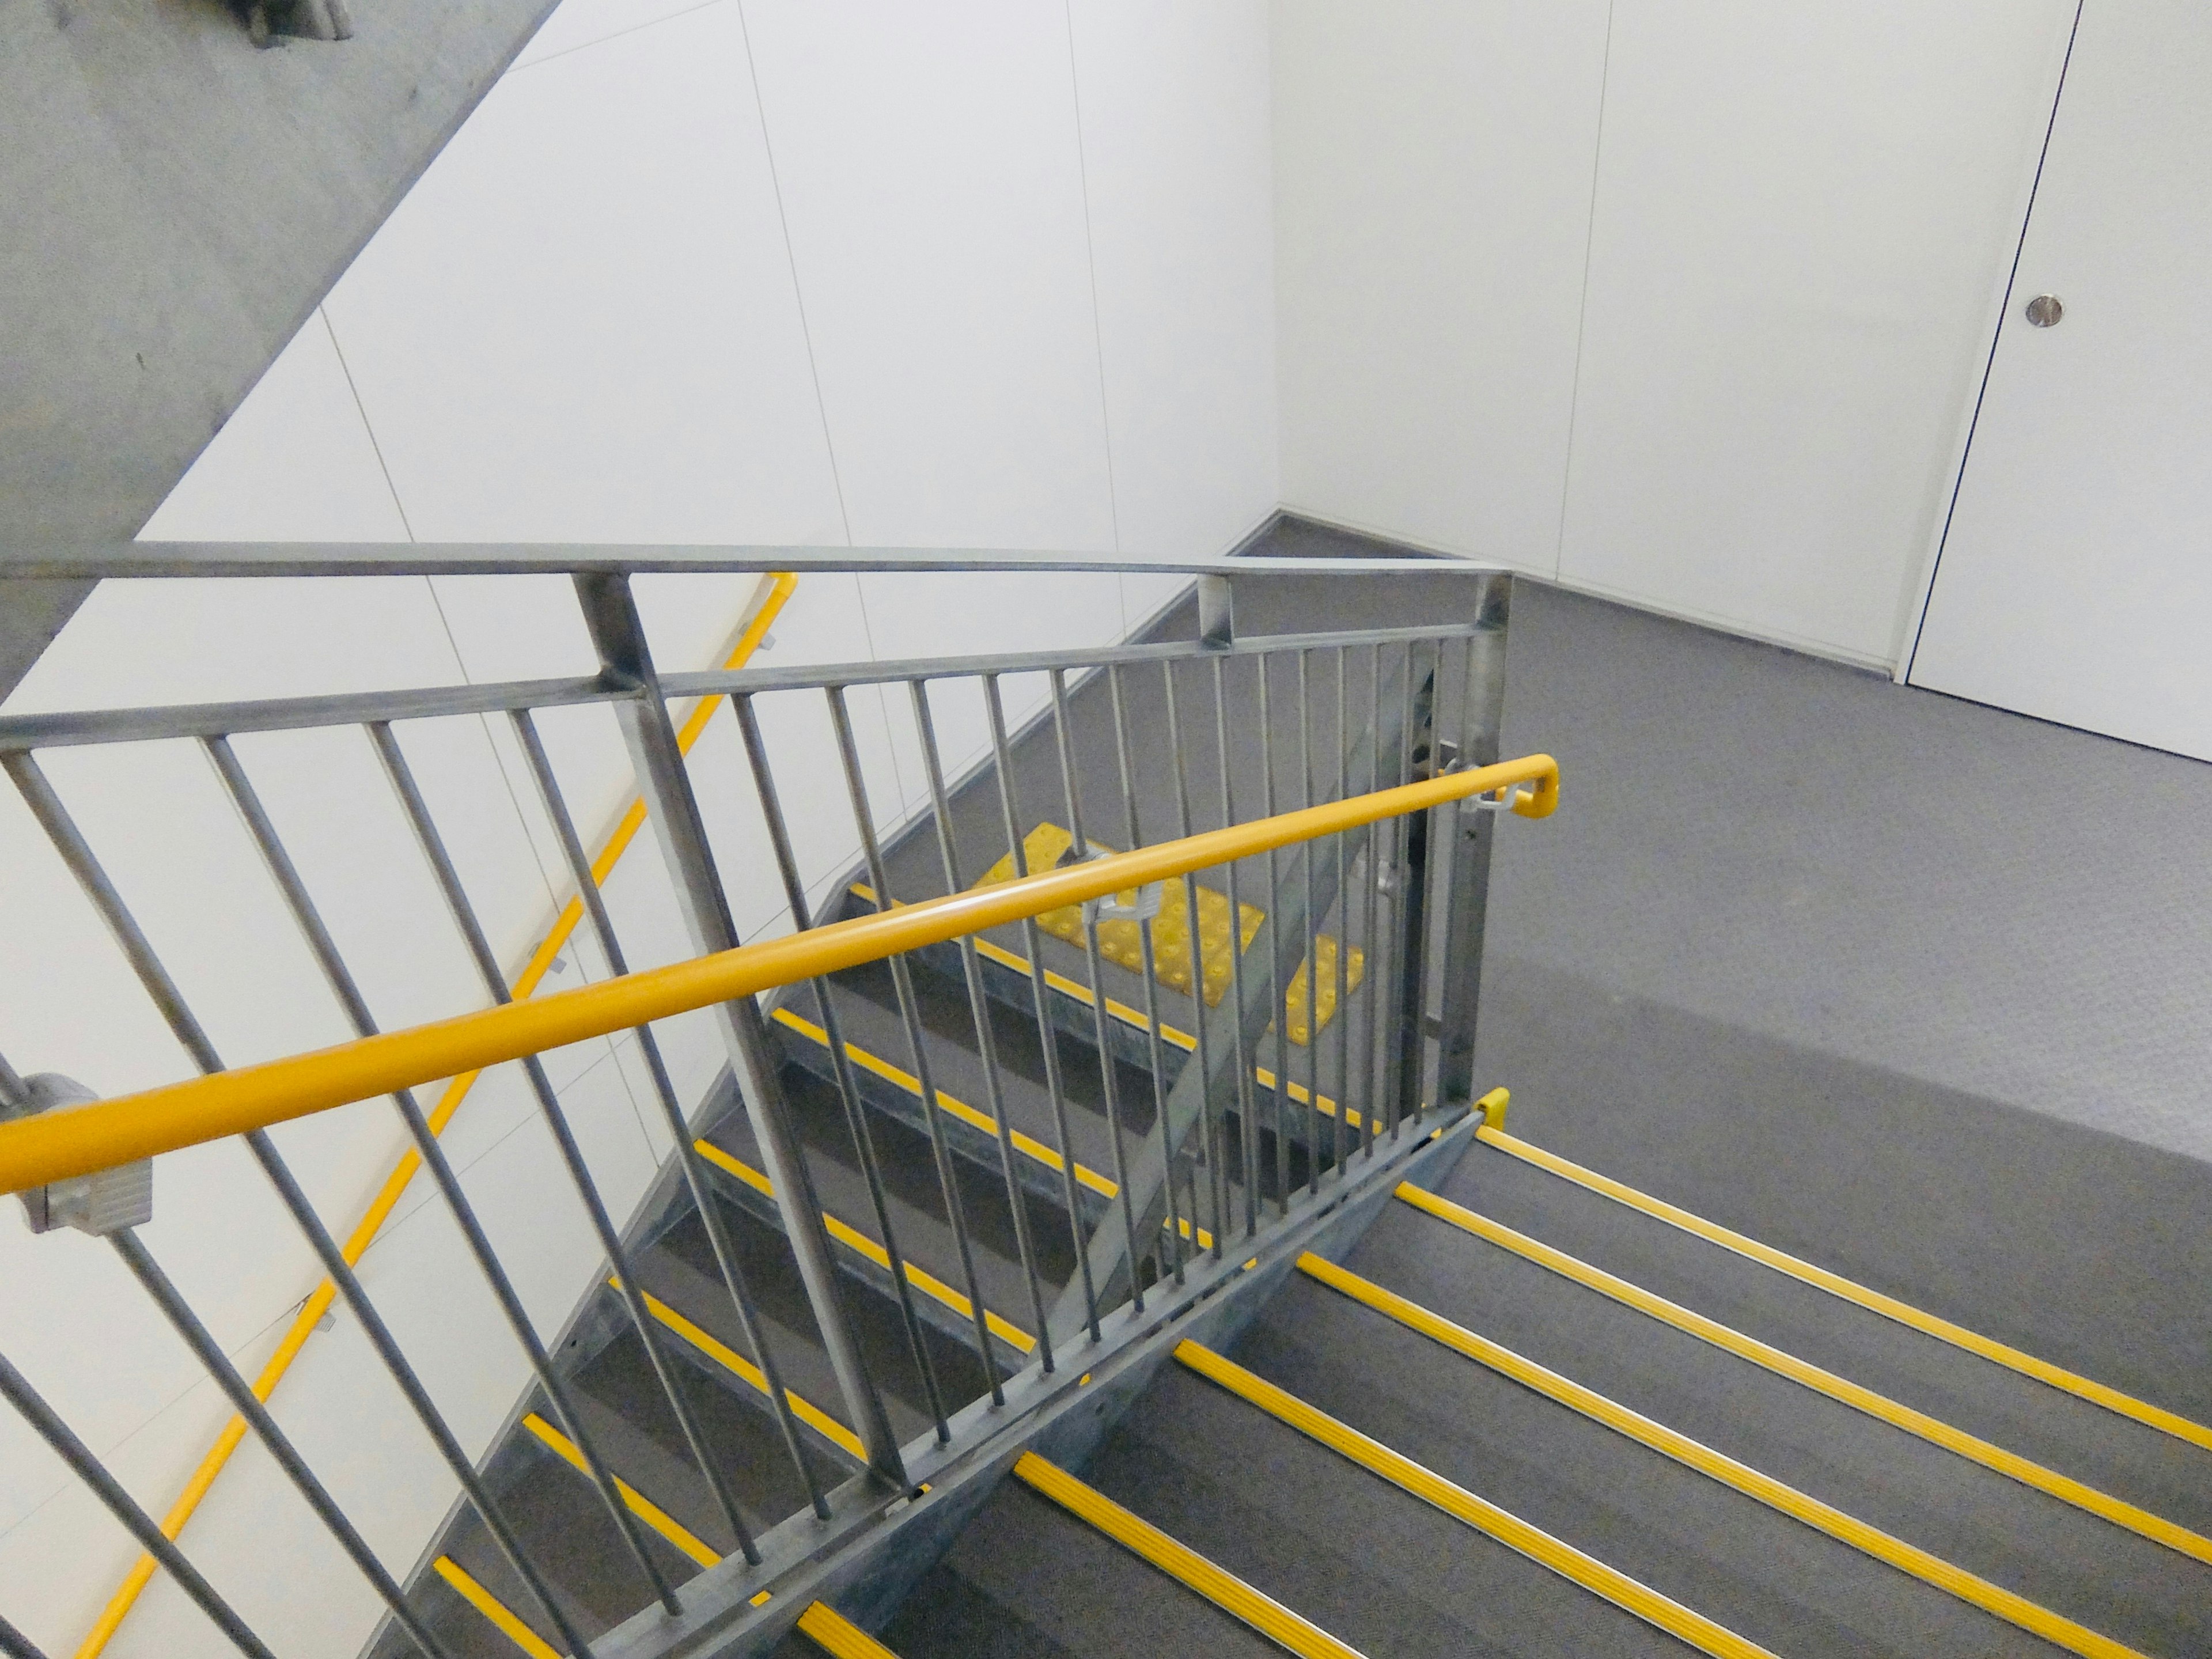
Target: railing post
x=611 y=613
x=1469 y=829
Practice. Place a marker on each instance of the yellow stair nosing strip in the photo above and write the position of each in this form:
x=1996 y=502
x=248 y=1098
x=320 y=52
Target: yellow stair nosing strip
x=1179 y=1561
x=1634 y=1596
x=1993 y=1599
x=861 y=1244
x=639 y=1506
x=1840 y=1388
x=1026 y=1145
x=731 y=1360
x=501 y=1616
x=838 y=1636
x=1835 y=1284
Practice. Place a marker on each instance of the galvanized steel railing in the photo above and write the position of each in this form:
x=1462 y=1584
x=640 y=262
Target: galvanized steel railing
x=1386 y=832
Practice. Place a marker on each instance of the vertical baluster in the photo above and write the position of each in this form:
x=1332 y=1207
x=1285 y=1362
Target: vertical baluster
x=277 y=858
x=841 y=1063
x=979 y=1008
x=1156 y=1045
x=1405 y=909
x=1248 y=1128
x=49 y=1428
x=1348 y=1135
x=1378 y=836
x=464 y=916
x=1209 y=1113
x=77 y=853
x=932 y=1116
x=15 y=1644
x=1312 y=937
x=695 y=1179
x=1278 y=969
x=1436 y=840
x=1047 y=1034
x=1071 y=797
x=610 y=611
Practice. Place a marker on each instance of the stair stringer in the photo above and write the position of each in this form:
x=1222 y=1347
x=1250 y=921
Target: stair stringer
x=865 y=1564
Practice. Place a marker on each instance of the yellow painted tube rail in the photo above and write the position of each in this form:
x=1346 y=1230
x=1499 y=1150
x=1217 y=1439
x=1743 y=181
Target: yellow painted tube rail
x=59 y=1145
x=781 y=587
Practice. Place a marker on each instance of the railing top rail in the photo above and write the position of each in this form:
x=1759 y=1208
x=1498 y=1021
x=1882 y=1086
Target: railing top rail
x=78 y=561
x=228 y=719
x=713 y=681
x=80 y=1141
x=19 y=732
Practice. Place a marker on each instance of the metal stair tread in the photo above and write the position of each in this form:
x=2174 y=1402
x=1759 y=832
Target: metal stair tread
x=634 y=1430
x=680 y=1271
x=1756 y=1572
x=1382 y=1571
x=2129 y=1460
x=565 y=1529
x=1088 y=1595
x=2070 y=1562
x=872 y=1023
x=922 y=1233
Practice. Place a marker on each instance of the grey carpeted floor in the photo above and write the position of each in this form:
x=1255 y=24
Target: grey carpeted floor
x=1814 y=856
x=1917 y=988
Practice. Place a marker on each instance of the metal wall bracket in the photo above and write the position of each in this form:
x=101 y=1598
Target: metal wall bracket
x=99 y=1204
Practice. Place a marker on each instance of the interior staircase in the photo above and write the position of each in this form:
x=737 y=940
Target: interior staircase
x=1531 y=1411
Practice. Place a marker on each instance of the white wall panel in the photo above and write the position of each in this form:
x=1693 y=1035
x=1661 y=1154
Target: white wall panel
x=933 y=183
x=575 y=24
x=295 y=462
x=584 y=324
x=581 y=325
x=1178 y=169
x=1802 y=213
x=1433 y=188
x=954 y=614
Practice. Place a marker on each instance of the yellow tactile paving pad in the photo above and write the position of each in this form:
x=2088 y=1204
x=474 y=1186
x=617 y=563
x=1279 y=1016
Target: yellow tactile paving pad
x=1121 y=943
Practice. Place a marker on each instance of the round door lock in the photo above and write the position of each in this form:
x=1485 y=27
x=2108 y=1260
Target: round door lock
x=2044 y=310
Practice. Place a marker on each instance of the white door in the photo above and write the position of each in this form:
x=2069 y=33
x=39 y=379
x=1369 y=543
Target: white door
x=2075 y=581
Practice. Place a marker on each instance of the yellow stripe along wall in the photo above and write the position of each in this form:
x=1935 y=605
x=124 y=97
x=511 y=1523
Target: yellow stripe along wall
x=781 y=586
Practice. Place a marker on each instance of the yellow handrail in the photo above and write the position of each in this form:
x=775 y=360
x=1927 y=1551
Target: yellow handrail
x=130 y=1127
x=781 y=586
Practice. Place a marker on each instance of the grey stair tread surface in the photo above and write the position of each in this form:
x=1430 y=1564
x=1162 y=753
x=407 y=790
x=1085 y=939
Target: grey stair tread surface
x=2128 y=1460
x=1027 y=1577
x=567 y=1533
x=1763 y=1575
x=631 y=1426
x=1374 y=1566
x=842 y=1192
x=2074 y=1564
x=872 y=1021
x=915 y=1200
x=680 y=1269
